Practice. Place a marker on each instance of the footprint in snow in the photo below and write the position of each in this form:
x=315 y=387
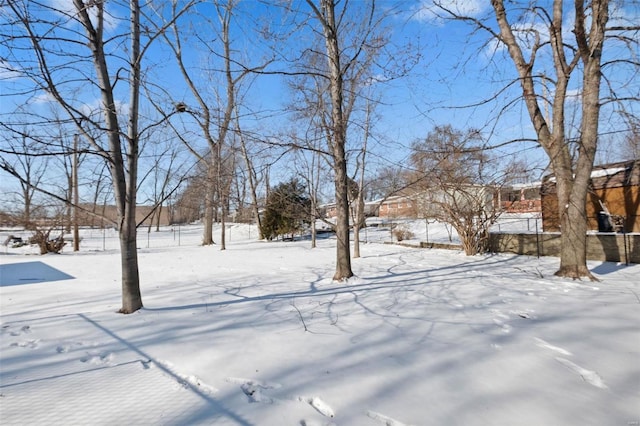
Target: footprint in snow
x=31 y=344
x=588 y=376
x=98 y=358
x=321 y=406
x=253 y=389
x=385 y=420
x=541 y=343
x=315 y=423
x=506 y=328
x=68 y=346
x=23 y=330
x=184 y=381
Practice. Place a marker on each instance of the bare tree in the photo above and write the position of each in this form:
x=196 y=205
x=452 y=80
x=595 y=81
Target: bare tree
x=59 y=51
x=252 y=177
x=348 y=47
x=312 y=169
x=25 y=161
x=215 y=123
x=165 y=174
x=631 y=147
x=457 y=182
x=535 y=35
x=358 y=211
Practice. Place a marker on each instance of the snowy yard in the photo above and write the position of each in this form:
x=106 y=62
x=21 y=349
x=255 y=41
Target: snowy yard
x=260 y=335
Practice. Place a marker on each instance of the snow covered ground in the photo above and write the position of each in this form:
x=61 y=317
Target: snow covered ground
x=259 y=334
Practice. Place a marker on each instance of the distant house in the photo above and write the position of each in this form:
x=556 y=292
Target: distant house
x=330 y=210
x=399 y=206
x=521 y=198
x=614 y=188
x=411 y=205
x=467 y=199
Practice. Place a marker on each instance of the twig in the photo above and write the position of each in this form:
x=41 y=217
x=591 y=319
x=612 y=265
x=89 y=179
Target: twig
x=293 y=303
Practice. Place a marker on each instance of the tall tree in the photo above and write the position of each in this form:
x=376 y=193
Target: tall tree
x=252 y=177
x=572 y=178
x=358 y=210
x=65 y=52
x=337 y=131
x=345 y=51
x=545 y=53
x=215 y=122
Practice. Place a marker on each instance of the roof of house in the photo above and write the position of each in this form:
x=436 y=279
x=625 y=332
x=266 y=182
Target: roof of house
x=612 y=175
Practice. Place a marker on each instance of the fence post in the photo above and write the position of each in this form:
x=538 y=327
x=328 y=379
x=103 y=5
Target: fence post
x=624 y=241
x=537 y=240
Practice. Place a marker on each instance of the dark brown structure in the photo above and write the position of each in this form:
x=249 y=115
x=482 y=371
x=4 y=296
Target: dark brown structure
x=613 y=200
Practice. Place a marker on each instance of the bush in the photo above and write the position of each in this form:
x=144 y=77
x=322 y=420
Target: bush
x=47 y=245
x=401 y=233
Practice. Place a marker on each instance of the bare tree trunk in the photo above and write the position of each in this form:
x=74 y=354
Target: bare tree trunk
x=76 y=196
x=131 y=297
x=314 y=184
x=124 y=180
x=337 y=142
x=223 y=224
x=69 y=205
x=359 y=216
x=223 y=187
x=159 y=215
x=26 y=215
x=252 y=183
x=573 y=214
x=207 y=236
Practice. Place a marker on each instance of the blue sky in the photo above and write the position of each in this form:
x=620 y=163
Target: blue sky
x=453 y=67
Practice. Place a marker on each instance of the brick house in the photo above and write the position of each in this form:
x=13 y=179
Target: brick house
x=614 y=188
x=398 y=206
